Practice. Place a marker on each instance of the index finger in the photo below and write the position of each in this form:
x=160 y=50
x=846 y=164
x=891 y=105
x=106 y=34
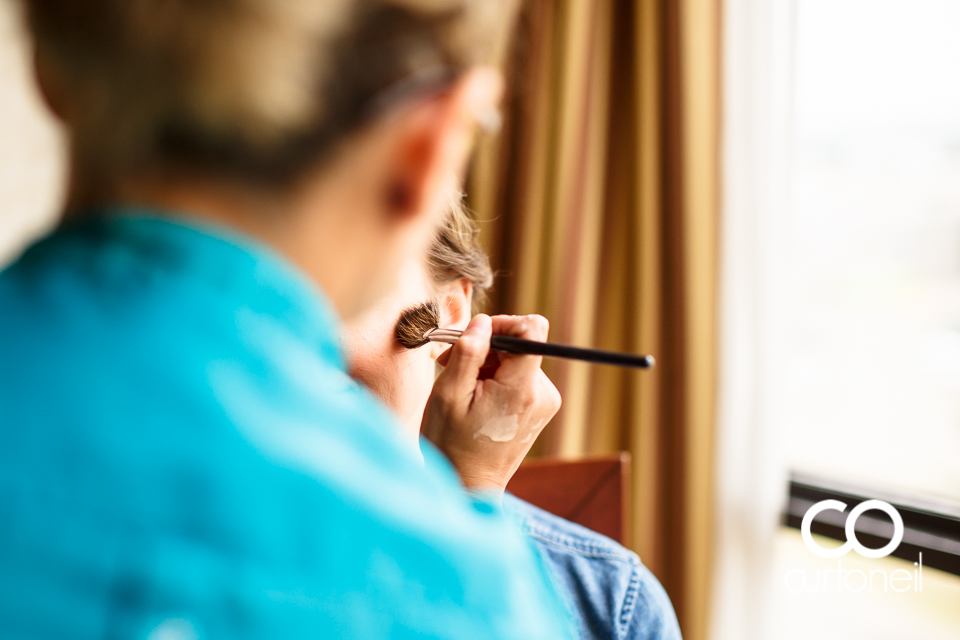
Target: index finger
x=530 y=327
x=465 y=359
x=515 y=367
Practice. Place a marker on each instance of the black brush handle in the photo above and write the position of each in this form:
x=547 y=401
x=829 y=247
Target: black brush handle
x=509 y=344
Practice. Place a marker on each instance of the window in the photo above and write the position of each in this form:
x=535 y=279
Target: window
x=841 y=309
x=872 y=354
x=870 y=343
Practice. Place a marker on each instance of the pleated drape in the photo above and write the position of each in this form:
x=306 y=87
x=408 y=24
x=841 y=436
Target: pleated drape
x=599 y=205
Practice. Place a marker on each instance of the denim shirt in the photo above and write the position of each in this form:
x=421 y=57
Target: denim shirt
x=605 y=587
x=182 y=455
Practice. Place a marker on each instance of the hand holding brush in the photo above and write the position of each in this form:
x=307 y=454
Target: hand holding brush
x=486 y=410
x=421 y=325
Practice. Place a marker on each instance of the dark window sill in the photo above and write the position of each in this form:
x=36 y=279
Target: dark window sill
x=931 y=528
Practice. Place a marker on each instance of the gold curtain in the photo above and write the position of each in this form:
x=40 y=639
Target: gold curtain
x=598 y=203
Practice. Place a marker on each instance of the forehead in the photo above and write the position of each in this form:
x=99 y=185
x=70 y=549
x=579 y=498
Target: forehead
x=410 y=289
x=411 y=285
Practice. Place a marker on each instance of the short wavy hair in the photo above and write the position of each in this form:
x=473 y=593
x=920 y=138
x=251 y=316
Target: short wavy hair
x=456 y=253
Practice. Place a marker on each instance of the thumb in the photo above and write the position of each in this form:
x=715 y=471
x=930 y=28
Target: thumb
x=466 y=357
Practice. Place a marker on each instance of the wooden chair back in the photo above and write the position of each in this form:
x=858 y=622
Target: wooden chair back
x=592 y=492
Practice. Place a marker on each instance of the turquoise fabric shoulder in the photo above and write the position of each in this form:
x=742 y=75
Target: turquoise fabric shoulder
x=181 y=449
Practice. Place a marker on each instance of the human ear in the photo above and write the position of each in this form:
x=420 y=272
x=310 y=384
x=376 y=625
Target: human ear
x=433 y=141
x=456 y=302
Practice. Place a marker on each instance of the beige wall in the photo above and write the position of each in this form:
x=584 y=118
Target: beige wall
x=31 y=145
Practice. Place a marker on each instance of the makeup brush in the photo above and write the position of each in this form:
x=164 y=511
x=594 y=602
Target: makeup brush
x=421 y=324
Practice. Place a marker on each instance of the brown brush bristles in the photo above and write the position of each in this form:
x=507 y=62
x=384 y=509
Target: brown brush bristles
x=415 y=322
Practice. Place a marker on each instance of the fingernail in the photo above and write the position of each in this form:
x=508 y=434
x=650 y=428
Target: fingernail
x=480 y=323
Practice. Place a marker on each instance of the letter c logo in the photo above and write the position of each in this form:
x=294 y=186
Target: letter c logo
x=852 y=541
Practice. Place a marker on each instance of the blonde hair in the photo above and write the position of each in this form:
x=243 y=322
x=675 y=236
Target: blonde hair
x=259 y=89
x=456 y=253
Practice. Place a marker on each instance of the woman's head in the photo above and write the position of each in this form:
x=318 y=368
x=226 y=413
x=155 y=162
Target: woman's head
x=456 y=275
x=332 y=129
x=259 y=89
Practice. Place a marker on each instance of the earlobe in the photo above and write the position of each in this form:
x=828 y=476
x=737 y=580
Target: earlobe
x=436 y=349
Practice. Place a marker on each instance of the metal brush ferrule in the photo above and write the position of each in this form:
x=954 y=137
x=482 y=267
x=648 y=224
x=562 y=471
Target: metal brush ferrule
x=449 y=336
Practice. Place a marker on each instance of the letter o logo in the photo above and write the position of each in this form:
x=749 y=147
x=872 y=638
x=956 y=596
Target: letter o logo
x=850 y=529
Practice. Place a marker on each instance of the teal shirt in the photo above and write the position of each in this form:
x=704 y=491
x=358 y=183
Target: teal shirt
x=182 y=455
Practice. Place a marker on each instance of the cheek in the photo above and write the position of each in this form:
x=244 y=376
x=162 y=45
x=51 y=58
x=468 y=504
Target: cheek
x=402 y=380
x=376 y=370
x=419 y=377
x=387 y=370
x=417 y=381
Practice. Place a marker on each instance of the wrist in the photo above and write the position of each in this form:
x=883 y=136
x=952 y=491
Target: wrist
x=483 y=482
